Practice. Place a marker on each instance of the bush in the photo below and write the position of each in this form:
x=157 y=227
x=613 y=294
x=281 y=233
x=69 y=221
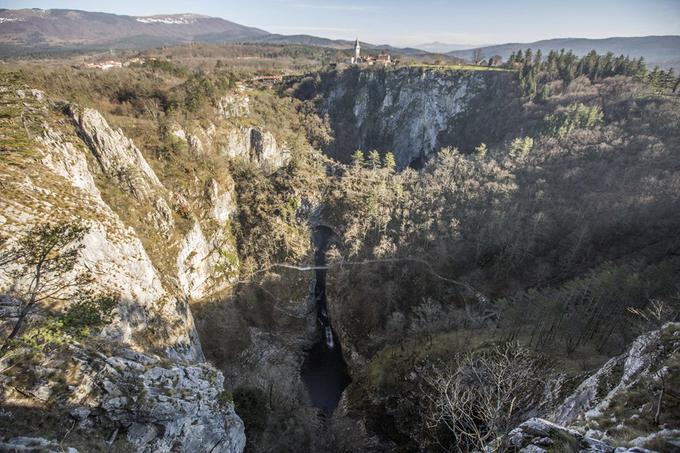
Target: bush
x=90 y=313
x=85 y=317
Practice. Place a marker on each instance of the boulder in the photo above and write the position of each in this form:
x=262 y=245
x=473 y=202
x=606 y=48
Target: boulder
x=33 y=445
x=537 y=435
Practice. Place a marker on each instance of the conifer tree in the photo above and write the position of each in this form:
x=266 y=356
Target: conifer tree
x=388 y=161
x=358 y=159
x=480 y=151
x=373 y=159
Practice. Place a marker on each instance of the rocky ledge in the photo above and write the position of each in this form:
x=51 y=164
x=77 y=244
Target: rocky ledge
x=628 y=405
x=154 y=404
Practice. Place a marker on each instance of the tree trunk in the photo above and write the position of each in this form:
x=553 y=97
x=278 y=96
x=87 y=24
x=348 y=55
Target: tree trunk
x=33 y=289
x=15 y=329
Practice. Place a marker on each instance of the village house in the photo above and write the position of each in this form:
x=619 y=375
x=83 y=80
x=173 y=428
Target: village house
x=370 y=60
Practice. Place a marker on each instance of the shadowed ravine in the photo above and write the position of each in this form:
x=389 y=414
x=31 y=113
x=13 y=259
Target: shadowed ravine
x=324 y=370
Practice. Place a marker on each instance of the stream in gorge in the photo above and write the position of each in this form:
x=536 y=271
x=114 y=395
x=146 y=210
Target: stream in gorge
x=324 y=371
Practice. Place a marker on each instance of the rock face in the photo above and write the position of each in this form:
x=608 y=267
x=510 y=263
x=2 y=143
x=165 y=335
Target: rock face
x=407 y=111
x=596 y=393
x=179 y=407
x=222 y=204
x=156 y=406
x=116 y=154
x=234 y=105
x=119 y=158
x=195 y=263
x=67 y=161
x=33 y=444
x=63 y=189
x=144 y=375
x=537 y=436
x=255 y=145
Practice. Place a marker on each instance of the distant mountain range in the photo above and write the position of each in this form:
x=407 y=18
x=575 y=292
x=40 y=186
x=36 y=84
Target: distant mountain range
x=663 y=51
x=442 y=47
x=68 y=28
x=23 y=30
x=26 y=30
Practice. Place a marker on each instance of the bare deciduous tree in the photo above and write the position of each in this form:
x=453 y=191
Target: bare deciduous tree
x=477 y=56
x=482 y=396
x=656 y=313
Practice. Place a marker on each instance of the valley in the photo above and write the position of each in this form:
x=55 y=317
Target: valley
x=356 y=259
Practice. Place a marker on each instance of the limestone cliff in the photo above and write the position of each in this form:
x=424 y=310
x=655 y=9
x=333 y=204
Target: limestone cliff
x=409 y=111
x=143 y=379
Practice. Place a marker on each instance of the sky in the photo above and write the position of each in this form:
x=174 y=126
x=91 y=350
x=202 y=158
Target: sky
x=403 y=22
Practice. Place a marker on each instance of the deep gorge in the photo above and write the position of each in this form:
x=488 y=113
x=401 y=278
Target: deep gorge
x=263 y=277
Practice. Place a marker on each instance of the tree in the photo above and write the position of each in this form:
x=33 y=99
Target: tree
x=251 y=404
x=39 y=266
x=388 y=162
x=482 y=395
x=520 y=148
x=358 y=159
x=477 y=56
x=480 y=151
x=374 y=159
x=538 y=59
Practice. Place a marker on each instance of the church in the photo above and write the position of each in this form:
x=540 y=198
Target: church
x=383 y=59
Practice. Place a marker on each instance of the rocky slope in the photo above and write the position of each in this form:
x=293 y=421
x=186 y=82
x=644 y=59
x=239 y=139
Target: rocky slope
x=628 y=405
x=160 y=241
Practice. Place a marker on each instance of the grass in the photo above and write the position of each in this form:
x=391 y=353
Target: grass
x=459 y=67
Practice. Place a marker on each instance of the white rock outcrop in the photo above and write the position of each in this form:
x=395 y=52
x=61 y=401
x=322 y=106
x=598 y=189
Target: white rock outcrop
x=177 y=408
x=222 y=203
x=118 y=157
x=67 y=161
x=255 y=145
x=594 y=395
x=541 y=436
x=157 y=406
x=233 y=105
x=23 y=444
x=196 y=261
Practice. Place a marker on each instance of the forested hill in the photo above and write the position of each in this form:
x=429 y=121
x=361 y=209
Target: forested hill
x=662 y=51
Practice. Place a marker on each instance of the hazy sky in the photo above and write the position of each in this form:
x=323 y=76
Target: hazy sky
x=403 y=22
